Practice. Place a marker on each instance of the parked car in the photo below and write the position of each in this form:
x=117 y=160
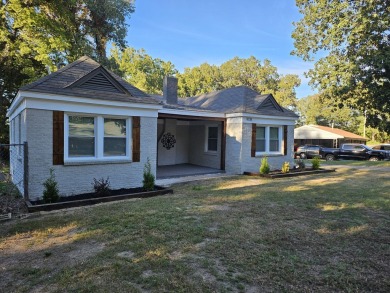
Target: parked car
x=308 y=151
x=383 y=147
x=353 y=151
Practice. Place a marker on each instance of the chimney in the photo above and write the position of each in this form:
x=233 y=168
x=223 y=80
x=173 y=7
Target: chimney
x=170 y=89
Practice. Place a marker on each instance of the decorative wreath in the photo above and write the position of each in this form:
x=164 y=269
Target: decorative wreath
x=168 y=140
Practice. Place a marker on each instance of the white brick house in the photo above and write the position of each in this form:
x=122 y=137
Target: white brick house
x=86 y=122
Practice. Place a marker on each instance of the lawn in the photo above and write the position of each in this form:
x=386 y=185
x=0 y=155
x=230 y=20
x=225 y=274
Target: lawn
x=358 y=163
x=319 y=233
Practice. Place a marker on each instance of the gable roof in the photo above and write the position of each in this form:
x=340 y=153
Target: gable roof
x=240 y=99
x=323 y=132
x=343 y=133
x=88 y=79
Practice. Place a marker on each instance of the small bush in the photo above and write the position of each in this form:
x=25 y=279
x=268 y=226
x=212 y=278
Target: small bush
x=264 y=167
x=300 y=164
x=102 y=187
x=315 y=162
x=286 y=167
x=50 y=192
x=148 y=182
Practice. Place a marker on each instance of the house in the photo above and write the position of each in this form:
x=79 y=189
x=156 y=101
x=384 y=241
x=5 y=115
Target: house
x=85 y=122
x=325 y=136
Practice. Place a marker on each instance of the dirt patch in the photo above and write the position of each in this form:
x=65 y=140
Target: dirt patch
x=32 y=254
x=11 y=204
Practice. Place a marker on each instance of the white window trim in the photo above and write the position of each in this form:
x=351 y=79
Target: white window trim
x=267 y=140
x=99 y=140
x=206 y=143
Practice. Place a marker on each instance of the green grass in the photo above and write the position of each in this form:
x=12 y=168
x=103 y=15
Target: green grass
x=362 y=163
x=318 y=233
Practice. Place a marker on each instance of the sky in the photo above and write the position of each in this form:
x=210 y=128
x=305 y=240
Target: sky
x=189 y=33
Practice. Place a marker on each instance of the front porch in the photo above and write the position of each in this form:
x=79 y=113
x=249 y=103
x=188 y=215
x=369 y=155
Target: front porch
x=183 y=170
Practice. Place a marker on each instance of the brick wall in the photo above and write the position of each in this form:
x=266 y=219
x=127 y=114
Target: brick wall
x=77 y=179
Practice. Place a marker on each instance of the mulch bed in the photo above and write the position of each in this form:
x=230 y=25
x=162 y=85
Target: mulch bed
x=292 y=173
x=91 y=198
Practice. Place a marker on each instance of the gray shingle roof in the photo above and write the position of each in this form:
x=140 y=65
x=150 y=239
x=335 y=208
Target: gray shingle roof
x=240 y=99
x=65 y=81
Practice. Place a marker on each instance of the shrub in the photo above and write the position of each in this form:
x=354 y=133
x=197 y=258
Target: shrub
x=264 y=167
x=286 y=167
x=315 y=162
x=148 y=182
x=300 y=164
x=102 y=187
x=51 y=192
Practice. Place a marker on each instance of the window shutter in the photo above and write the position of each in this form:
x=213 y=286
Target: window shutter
x=285 y=129
x=253 y=144
x=58 y=137
x=136 y=133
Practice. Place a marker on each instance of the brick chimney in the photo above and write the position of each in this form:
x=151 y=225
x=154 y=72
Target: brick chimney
x=170 y=89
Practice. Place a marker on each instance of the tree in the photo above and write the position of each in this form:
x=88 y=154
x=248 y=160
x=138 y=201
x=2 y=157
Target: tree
x=140 y=69
x=352 y=44
x=199 y=80
x=319 y=110
x=262 y=77
x=36 y=36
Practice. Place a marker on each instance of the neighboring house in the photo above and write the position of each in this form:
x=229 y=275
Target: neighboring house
x=86 y=122
x=325 y=136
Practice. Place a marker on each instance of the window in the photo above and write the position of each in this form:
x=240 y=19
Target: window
x=81 y=136
x=211 y=138
x=268 y=139
x=89 y=138
x=114 y=137
x=260 y=139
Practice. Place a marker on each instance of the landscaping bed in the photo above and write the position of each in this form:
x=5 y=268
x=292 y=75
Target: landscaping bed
x=91 y=198
x=291 y=173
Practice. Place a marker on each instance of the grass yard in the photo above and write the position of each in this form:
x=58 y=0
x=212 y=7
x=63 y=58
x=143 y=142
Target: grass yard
x=321 y=233
x=357 y=163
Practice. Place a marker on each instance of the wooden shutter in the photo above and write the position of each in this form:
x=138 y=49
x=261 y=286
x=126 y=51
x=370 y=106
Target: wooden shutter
x=285 y=130
x=253 y=144
x=136 y=133
x=58 y=137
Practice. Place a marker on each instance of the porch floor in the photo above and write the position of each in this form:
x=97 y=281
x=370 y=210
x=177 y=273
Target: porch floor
x=182 y=170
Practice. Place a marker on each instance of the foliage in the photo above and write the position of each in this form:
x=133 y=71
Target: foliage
x=352 y=38
x=37 y=36
x=51 y=192
x=260 y=76
x=286 y=167
x=315 y=162
x=148 y=182
x=318 y=110
x=140 y=69
x=264 y=167
x=300 y=164
x=102 y=187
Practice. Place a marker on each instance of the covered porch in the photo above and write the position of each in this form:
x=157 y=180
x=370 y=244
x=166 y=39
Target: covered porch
x=189 y=145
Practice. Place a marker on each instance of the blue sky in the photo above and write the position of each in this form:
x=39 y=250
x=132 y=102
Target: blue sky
x=188 y=33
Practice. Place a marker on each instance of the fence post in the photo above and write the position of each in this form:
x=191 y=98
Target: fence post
x=25 y=165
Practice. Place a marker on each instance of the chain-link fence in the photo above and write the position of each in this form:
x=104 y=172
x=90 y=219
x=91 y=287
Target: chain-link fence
x=14 y=170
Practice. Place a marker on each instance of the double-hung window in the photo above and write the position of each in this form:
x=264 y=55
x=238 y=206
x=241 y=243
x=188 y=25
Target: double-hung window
x=268 y=139
x=211 y=139
x=89 y=138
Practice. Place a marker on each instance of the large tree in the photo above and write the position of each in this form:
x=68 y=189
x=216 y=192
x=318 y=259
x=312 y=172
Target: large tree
x=260 y=76
x=140 y=69
x=318 y=110
x=350 y=42
x=37 y=35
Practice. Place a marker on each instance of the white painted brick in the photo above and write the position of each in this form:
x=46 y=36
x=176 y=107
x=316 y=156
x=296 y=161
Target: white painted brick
x=78 y=179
